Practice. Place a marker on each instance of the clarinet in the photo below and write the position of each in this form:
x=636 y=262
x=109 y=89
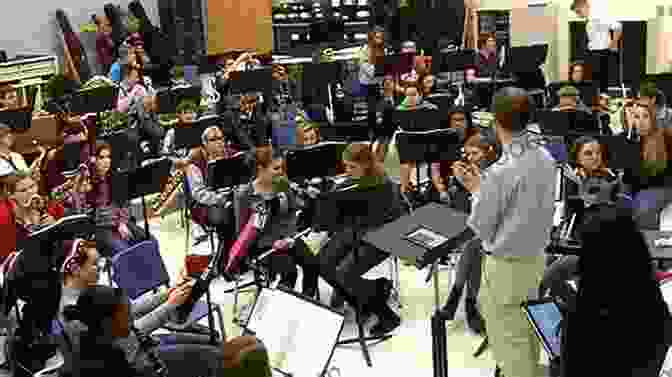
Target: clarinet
x=149 y=345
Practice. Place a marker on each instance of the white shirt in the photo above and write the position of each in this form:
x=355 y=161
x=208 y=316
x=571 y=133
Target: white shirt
x=598 y=27
x=513 y=211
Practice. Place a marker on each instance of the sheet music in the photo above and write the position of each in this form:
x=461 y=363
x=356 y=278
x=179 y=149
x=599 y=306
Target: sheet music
x=299 y=335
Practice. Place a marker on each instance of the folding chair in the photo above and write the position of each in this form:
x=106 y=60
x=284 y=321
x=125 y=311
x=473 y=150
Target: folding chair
x=140 y=269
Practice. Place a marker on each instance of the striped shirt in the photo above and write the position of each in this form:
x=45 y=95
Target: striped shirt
x=513 y=211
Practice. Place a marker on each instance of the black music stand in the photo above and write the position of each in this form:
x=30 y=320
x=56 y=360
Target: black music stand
x=96 y=100
x=456 y=61
x=68 y=227
x=317 y=83
x=19 y=120
x=315 y=161
x=347 y=206
x=258 y=80
x=568 y=124
x=72 y=158
x=137 y=183
x=125 y=148
x=169 y=99
x=428 y=147
x=348 y=132
x=419 y=120
x=228 y=173
x=190 y=136
x=395 y=238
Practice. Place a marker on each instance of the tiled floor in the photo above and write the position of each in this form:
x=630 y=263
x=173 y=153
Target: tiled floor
x=408 y=351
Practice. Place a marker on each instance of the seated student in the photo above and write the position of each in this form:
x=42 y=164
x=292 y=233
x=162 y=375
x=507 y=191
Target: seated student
x=310 y=134
x=24 y=211
x=74 y=130
x=648 y=95
x=480 y=152
x=414 y=101
x=656 y=147
x=143 y=116
x=8 y=98
x=187 y=113
x=270 y=188
x=603 y=315
x=427 y=85
x=134 y=85
x=102 y=346
x=114 y=230
x=487 y=57
x=458 y=120
x=210 y=205
x=590 y=158
x=577 y=72
x=339 y=266
x=570 y=100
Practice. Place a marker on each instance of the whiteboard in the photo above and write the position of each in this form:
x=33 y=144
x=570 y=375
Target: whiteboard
x=299 y=335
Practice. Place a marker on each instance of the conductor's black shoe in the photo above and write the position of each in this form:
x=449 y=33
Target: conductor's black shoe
x=385 y=325
x=447 y=312
x=474 y=319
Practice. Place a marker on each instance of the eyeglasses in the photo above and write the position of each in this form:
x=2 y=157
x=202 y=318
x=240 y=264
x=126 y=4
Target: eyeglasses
x=216 y=139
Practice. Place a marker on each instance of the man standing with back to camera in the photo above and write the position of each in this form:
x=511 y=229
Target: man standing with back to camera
x=512 y=213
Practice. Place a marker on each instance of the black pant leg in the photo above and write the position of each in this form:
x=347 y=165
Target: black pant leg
x=310 y=266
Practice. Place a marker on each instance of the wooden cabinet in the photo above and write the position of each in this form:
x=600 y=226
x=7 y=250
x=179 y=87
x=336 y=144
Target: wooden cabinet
x=239 y=24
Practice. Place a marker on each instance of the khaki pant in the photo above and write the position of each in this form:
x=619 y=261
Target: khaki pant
x=505 y=284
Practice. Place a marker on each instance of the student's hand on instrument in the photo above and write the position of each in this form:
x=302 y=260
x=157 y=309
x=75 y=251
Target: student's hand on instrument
x=179 y=295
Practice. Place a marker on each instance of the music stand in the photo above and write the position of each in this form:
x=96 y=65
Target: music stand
x=317 y=82
x=568 y=123
x=136 y=183
x=315 y=161
x=258 y=80
x=428 y=147
x=95 y=100
x=169 y=99
x=314 y=331
x=72 y=158
x=228 y=172
x=348 y=132
x=68 y=227
x=622 y=154
x=348 y=206
x=419 y=120
x=190 y=136
x=125 y=146
x=394 y=237
x=19 y=120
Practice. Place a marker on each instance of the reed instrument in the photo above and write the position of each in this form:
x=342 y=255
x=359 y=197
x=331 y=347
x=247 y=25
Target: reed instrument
x=168 y=195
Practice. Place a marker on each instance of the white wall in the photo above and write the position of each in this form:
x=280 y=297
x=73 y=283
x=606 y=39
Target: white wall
x=29 y=26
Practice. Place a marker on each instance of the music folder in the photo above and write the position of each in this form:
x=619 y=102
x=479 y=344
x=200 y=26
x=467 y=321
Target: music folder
x=320 y=160
x=228 y=172
x=145 y=180
x=189 y=136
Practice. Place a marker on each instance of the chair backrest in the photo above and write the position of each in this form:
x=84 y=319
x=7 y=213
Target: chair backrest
x=140 y=269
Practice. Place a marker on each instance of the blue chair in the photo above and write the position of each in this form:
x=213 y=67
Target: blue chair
x=648 y=204
x=140 y=269
x=558 y=151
